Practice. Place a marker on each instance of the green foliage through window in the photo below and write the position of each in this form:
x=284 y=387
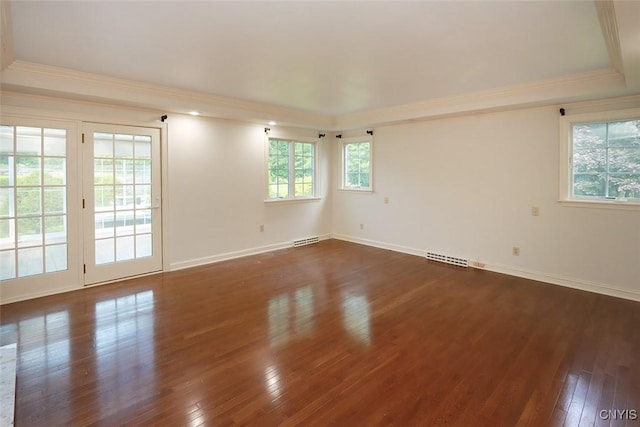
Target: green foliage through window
x=291 y=169
x=357 y=165
x=606 y=159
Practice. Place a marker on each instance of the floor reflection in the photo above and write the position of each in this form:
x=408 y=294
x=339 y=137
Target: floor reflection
x=272 y=381
x=124 y=350
x=44 y=356
x=279 y=320
x=356 y=317
x=291 y=317
x=50 y=330
x=303 y=322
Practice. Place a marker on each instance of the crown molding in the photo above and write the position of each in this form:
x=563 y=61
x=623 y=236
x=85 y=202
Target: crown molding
x=54 y=82
x=627 y=19
x=609 y=26
x=618 y=21
x=6 y=35
x=574 y=88
x=618 y=103
x=30 y=105
x=38 y=79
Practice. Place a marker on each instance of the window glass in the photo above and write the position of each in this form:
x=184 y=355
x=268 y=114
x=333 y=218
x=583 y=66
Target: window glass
x=33 y=201
x=357 y=165
x=606 y=160
x=291 y=169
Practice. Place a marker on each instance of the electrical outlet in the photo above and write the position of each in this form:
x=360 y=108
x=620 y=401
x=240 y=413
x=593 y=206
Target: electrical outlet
x=478 y=264
x=535 y=211
x=516 y=251
x=361 y=226
x=261 y=228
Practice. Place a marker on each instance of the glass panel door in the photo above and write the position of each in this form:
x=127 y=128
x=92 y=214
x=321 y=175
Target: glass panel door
x=122 y=207
x=38 y=207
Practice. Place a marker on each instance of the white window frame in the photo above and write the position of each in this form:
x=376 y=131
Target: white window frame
x=566 y=196
x=292 y=197
x=343 y=147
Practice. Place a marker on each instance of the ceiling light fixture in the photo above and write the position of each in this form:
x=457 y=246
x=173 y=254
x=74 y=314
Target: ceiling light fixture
x=272 y=123
x=194 y=113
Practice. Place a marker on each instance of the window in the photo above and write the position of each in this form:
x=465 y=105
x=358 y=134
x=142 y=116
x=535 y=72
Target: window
x=33 y=201
x=292 y=166
x=602 y=158
x=356 y=164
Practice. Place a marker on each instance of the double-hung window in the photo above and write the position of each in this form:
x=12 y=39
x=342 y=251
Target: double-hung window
x=291 y=169
x=356 y=164
x=600 y=158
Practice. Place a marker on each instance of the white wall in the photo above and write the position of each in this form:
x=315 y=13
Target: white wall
x=465 y=187
x=460 y=186
x=216 y=180
x=217 y=187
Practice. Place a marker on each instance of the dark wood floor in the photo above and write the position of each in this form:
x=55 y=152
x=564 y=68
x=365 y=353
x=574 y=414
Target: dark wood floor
x=329 y=334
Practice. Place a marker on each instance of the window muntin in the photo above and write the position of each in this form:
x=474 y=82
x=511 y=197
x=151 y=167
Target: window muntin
x=33 y=201
x=122 y=202
x=356 y=172
x=291 y=169
x=605 y=160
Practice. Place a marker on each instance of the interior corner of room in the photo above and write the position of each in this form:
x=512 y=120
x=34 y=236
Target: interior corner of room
x=483 y=146
x=458 y=173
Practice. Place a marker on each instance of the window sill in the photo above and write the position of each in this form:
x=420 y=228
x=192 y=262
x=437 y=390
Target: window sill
x=288 y=201
x=604 y=204
x=357 y=190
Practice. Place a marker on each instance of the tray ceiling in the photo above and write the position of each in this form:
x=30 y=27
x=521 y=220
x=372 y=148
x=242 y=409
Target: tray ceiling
x=322 y=57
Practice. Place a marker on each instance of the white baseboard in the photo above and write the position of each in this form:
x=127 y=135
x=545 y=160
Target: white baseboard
x=381 y=245
x=497 y=268
x=172 y=267
x=579 y=284
x=568 y=282
x=32 y=295
x=235 y=254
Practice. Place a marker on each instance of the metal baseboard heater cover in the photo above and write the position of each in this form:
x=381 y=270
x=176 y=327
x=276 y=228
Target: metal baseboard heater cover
x=307 y=241
x=460 y=262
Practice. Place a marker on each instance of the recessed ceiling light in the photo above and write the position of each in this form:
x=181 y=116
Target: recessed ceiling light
x=194 y=113
x=272 y=123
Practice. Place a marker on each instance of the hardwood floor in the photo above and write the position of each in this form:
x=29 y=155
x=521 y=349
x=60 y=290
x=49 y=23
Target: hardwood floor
x=329 y=334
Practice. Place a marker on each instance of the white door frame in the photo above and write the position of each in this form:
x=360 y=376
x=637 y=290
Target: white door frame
x=43 y=284
x=95 y=272
x=75 y=114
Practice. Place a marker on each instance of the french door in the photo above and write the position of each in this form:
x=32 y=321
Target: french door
x=121 y=202
x=39 y=214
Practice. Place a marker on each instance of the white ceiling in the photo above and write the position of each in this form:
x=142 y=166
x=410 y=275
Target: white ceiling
x=323 y=57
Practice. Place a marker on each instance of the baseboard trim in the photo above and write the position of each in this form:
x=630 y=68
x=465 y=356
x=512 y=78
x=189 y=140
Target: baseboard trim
x=235 y=254
x=172 y=267
x=568 y=282
x=34 y=295
x=573 y=283
x=381 y=245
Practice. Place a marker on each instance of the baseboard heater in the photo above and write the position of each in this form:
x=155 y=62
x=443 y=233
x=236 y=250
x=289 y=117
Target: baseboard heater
x=460 y=262
x=307 y=241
